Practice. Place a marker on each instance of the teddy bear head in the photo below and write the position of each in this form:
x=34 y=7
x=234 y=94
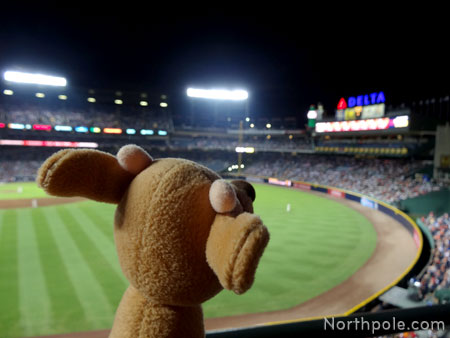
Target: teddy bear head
x=182 y=233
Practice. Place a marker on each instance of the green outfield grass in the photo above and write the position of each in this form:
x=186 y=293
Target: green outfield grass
x=59 y=270
x=21 y=190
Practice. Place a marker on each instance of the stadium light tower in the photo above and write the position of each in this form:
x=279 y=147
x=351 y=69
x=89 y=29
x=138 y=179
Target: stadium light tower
x=227 y=95
x=34 y=78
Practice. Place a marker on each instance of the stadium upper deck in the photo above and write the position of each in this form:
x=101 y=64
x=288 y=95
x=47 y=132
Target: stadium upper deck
x=113 y=117
x=43 y=116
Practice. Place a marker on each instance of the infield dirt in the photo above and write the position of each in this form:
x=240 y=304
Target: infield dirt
x=37 y=202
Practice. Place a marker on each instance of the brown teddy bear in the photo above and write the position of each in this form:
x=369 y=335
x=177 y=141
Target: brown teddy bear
x=182 y=233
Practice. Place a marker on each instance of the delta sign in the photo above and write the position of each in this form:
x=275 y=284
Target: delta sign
x=361 y=107
x=361 y=100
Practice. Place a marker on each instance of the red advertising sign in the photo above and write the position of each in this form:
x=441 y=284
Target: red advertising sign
x=36 y=143
x=336 y=193
x=42 y=127
x=302 y=186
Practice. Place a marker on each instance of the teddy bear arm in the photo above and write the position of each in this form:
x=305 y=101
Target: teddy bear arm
x=86 y=173
x=234 y=248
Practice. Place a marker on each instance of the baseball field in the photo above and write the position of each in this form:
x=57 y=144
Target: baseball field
x=59 y=271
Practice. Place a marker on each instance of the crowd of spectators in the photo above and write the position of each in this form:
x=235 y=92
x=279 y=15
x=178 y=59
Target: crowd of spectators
x=436 y=277
x=20 y=164
x=12 y=171
x=261 y=143
x=437 y=274
x=215 y=160
x=389 y=180
x=102 y=116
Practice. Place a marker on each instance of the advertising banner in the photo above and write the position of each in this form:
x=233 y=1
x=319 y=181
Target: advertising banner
x=302 y=186
x=336 y=193
x=350 y=114
x=369 y=203
x=373 y=111
x=276 y=181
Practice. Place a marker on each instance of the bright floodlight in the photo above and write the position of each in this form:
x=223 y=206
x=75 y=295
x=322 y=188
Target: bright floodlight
x=249 y=150
x=218 y=94
x=39 y=79
x=312 y=114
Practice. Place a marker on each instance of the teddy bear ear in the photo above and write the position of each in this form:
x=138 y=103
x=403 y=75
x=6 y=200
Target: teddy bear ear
x=222 y=196
x=86 y=173
x=133 y=158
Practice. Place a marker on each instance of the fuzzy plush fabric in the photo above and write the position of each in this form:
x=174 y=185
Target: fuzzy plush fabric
x=182 y=234
x=137 y=317
x=222 y=196
x=88 y=173
x=133 y=159
x=234 y=248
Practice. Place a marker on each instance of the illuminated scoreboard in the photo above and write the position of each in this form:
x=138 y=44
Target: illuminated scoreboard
x=361 y=107
x=383 y=123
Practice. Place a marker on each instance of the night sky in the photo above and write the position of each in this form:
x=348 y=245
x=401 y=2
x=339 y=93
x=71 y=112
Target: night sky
x=285 y=62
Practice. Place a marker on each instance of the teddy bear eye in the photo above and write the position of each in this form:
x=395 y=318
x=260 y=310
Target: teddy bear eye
x=222 y=196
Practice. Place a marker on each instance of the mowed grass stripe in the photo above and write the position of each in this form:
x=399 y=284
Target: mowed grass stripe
x=9 y=275
x=67 y=311
x=104 y=224
x=103 y=239
x=112 y=282
x=34 y=301
x=90 y=292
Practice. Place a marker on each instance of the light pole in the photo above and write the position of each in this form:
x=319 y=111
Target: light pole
x=225 y=95
x=312 y=117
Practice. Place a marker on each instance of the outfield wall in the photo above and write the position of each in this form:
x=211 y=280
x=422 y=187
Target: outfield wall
x=365 y=201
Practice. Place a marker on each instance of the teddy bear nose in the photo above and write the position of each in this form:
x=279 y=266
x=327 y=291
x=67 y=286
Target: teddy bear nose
x=222 y=196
